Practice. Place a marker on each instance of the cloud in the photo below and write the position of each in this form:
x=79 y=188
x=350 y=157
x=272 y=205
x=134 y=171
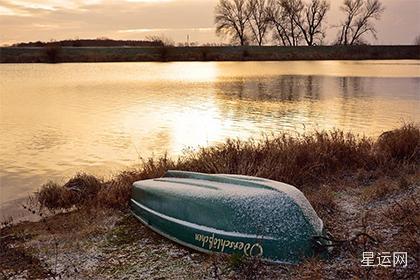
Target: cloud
x=24 y=20
x=5 y=11
x=114 y=19
x=159 y=30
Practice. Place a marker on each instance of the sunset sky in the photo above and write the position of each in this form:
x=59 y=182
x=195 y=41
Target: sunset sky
x=44 y=20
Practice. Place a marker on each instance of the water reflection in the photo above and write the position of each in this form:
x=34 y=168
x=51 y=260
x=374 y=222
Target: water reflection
x=56 y=120
x=279 y=88
x=46 y=139
x=363 y=105
x=352 y=87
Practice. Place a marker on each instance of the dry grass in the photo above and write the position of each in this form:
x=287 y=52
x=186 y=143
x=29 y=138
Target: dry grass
x=323 y=200
x=387 y=186
x=379 y=189
x=392 y=222
x=304 y=161
x=399 y=145
x=78 y=191
x=310 y=269
x=53 y=196
x=404 y=218
x=127 y=248
x=359 y=187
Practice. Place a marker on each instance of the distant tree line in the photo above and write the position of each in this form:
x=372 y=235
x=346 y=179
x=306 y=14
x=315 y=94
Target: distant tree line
x=100 y=42
x=294 y=22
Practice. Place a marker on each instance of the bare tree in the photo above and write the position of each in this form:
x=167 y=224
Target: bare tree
x=281 y=14
x=310 y=18
x=292 y=8
x=161 y=40
x=359 y=17
x=277 y=18
x=258 y=21
x=232 y=17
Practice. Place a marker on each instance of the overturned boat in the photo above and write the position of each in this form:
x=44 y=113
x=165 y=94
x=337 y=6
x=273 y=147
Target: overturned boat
x=231 y=214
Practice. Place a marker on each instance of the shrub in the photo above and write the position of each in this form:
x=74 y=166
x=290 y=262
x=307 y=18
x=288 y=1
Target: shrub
x=245 y=54
x=53 y=196
x=87 y=186
x=52 y=53
x=79 y=190
x=401 y=144
x=163 y=53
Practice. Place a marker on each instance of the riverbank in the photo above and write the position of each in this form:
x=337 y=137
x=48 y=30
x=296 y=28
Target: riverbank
x=365 y=191
x=51 y=54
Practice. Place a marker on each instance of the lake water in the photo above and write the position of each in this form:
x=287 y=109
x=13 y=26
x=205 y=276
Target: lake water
x=56 y=120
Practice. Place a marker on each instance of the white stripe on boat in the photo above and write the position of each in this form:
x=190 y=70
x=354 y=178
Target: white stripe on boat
x=200 y=227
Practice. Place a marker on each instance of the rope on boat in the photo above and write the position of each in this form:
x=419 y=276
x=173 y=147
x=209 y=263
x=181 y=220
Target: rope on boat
x=331 y=242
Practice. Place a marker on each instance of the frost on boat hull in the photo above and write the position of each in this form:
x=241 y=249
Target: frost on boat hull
x=229 y=214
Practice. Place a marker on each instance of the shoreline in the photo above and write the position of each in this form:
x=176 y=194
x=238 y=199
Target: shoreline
x=204 y=53
x=358 y=186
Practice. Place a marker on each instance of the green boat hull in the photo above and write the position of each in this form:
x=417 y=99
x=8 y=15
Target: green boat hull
x=229 y=214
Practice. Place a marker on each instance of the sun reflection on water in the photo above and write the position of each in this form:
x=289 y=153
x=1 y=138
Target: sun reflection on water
x=56 y=120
